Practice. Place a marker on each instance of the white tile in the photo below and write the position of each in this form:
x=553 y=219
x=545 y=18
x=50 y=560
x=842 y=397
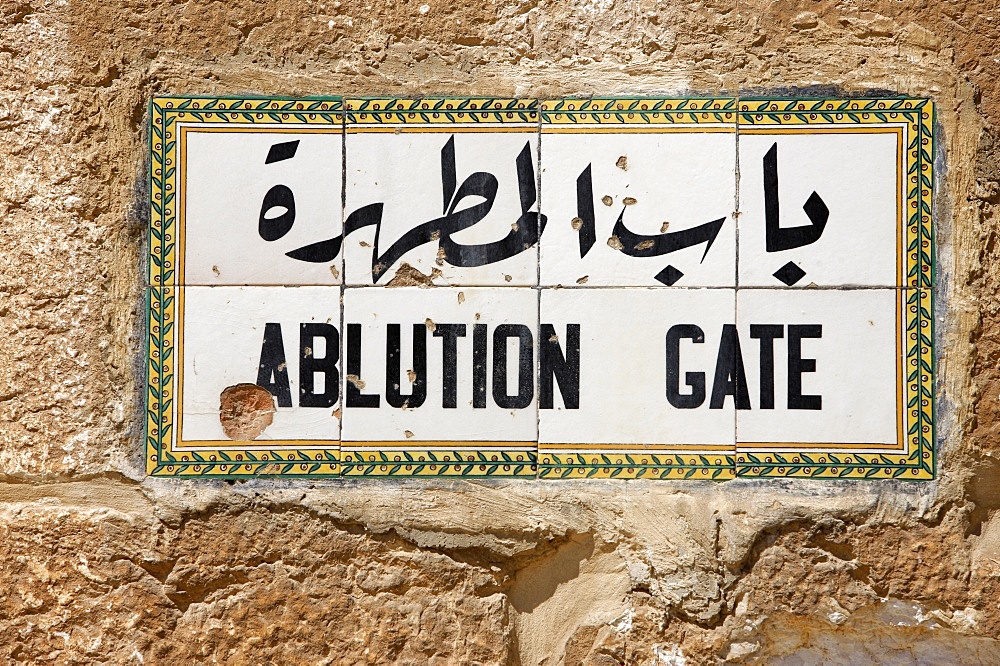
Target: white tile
x=222 y=344
x=405 y=171
x=505 y=409
x=856 y=175
x=674 y=182
x=850 y=355
x=227 y=187
x=624 y=377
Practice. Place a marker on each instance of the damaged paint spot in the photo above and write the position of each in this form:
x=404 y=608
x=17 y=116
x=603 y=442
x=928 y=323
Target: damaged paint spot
x=577 y=223
x=357 y=382
x=461 y=297
x=582 y=280
x=334 y=272
x=408 y=434
x=622 y=163
x=664 y=227
x=431 y=326
x=614 y=243
x=408 y=276
x=606 y=200
x=629 y=201
x=245 y=411
x=644 y=245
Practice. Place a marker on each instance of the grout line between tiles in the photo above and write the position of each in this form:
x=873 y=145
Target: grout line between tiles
x=342 y=379
x=736 y=196
x=560 y=287
x=736 y=276
x=538 y=297
x=736 y=412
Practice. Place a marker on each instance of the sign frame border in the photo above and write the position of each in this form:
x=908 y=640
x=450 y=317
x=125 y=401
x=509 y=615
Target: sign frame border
x=915 y=331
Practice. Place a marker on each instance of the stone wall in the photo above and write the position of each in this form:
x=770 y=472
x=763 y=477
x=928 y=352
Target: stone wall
x=99 y=563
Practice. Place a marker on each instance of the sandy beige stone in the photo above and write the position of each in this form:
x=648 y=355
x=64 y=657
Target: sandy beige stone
x=99 y=563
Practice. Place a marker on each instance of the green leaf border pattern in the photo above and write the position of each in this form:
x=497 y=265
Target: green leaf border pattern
x=483 y=463
x=640 y=110
x=165 y=113
x=610 y=464
x=437 y=110
x=915 y=115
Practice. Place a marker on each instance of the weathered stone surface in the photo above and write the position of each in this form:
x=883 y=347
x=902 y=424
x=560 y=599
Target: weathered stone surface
x=99 y=564
x=253 y=586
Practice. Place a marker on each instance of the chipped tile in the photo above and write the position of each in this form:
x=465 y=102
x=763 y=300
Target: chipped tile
x=559 y=289
x=639 y=192
x=258 y=384
x=440 y=381
x=442 y=191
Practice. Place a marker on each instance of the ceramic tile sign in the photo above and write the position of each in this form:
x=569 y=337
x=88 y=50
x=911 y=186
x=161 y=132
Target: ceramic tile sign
x=447 y=188
x=631 y=288
x=225 y=166
x=835 y=197
x=840 y=189
x=440 y=381
x=639 y=193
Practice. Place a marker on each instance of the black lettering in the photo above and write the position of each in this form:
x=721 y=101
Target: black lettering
x=282 y=151
x=778 y=238
x=354 y=396
x=272 y=364
x=565 y=369
x=696 y=380
x=766 y=333
x=587 y=233
x=449 y=334
x=309 y=365
x=525 y=364
x=479 y=366
x=524 y=232
x=272 y=224
x=639 y=245
x=797 y=365
x=393 y=395
x=730 y=378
